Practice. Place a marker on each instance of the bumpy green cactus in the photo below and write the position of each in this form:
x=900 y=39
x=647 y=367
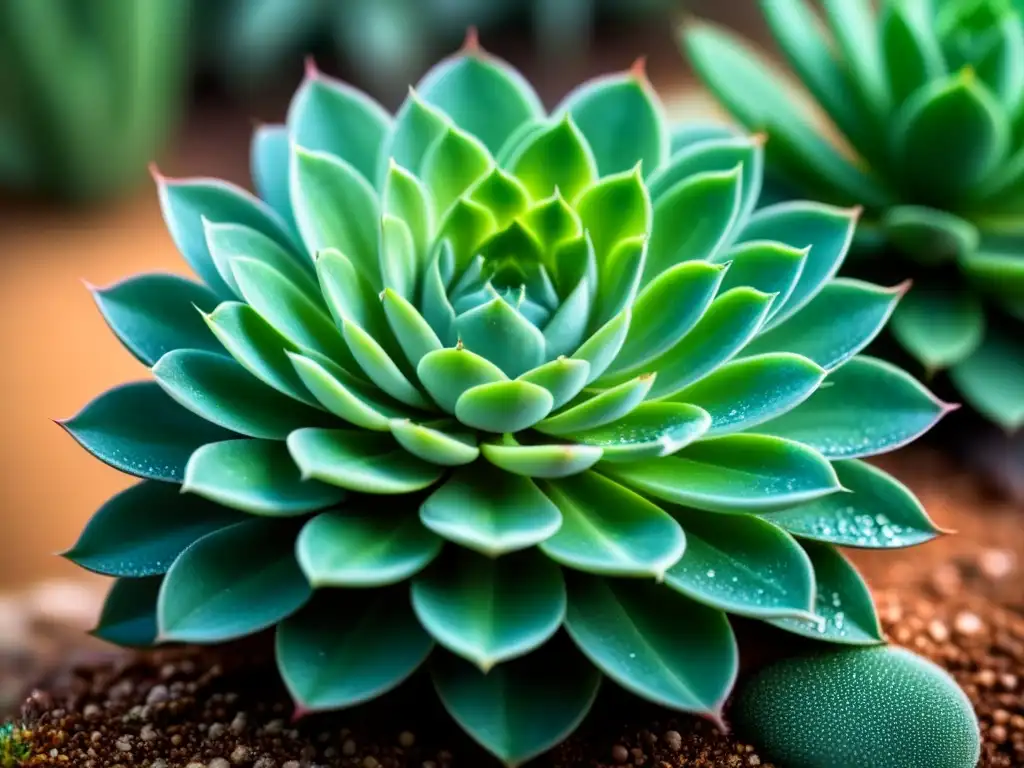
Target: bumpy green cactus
x=927 y=99
x=88 y=91
x=878 y=707
x=533 y=396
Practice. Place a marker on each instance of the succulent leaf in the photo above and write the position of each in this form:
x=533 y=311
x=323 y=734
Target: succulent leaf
x=610 y=530
x=939 y=327
x=187 y=202
x=255 y=476
x=665 y=648
x=327 y=115
x=140 y=430
x=373 y=463
x=155 y=314
x=140 y=531
x=221 y=391
x=881 y=407
x=748 y=472
x=128 y=617
x=227 y=242
x=990 y=379
x=269 y=160
x=849 y=315
x=881 y=514
x=349 y=223
x=491 y=511
x=844 y=612
x=523 y=708
x=622 y=121
x=348 y=647
x=359 y=548
x=490 y=610
x=746 y=566
x=231 y=583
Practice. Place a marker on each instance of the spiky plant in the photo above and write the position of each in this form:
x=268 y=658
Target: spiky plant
x=919 y=116
x=88 y=91
x=533 y=395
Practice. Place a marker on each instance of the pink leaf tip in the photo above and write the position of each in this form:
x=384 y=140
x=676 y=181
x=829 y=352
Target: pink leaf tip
x=311 y=69
x=472 y=42
x=639 y=69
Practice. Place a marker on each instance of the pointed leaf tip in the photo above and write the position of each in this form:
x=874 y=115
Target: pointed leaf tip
x=638 y=70
x=471 y=44
x=311 y=70
x=717 y=719
x=155 y=173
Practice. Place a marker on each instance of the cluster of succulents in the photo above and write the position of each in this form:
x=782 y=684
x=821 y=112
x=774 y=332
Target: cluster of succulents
x=924 y=107
x=528 y=399
x=88 y=92
x=387 y=42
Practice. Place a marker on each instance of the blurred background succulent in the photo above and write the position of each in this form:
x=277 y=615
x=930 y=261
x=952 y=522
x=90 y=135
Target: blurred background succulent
x=605 y=402
x=89 y=91
x=387 y=44
x=915 y=111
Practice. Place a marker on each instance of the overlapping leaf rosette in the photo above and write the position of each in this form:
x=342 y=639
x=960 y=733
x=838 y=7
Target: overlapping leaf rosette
x=528 y=399
x=916 y=111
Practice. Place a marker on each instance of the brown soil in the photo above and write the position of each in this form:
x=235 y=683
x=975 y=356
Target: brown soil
x=200 y=709
x=957 y=600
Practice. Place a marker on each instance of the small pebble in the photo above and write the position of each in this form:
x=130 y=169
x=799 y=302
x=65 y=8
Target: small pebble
x=996 y=563
x=620 y=754
x=938 y=631
x=406 y=739
x=158 y=695
x=967 y=623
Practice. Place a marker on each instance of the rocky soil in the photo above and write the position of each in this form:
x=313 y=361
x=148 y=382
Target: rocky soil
x=957 y=600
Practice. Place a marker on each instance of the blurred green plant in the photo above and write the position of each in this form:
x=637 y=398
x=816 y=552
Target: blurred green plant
x=925 y=102
x=388 y=43
x=15 y=748
x=88 y=91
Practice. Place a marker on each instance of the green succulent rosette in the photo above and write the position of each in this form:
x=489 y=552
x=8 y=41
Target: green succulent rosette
x=529 y=398
x=923 y=108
